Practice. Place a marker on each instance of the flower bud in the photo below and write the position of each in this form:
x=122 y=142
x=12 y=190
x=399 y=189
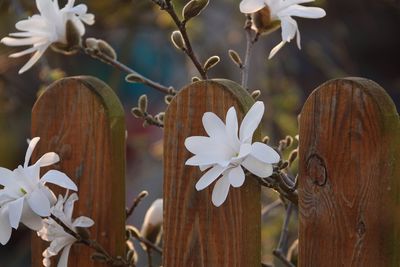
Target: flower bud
x=177 y=40
x=235 y=58
x=143 y=103
x=193 y=9
x=262 y=22
x=195 y=79
x=289 y=140
x=256 y=94
x=137 y=113
x=134 y=78
x=168 y=99
x=160 y=117
x=151 y=228
x=284 y=165
x=293 y=156
x=106 y=49
x=91 y=43
x=72 y=42
x=211 y=62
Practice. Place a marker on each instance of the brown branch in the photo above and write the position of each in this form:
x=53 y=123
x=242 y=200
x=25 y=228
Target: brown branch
x=118 y=65
x=181 y=24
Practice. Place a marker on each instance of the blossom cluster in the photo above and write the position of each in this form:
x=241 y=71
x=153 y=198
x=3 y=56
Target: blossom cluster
x=47 y=28
x=224 y=152
x=25 y=198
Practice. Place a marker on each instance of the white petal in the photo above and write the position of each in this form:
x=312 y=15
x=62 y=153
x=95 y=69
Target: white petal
x=24 y=52
x=19 y=41
x=220 y=191
x=60 y=179
x=257 y=167
x=236 y=176
x=87 y=18
x=15 y=211
x=264 y=153
x=49 y=194
x=48 y=159
x=5 y=227
x=201 y=160
x=39 y=203
x=200 y=144
x=251 y=6
x=251 y=122
x=204 y=167
x=6 y=176
x=31 y=147
x=232 y=129
x=289 y=28
x=276 y=49
x=303 y=11
x=79 y=9
x=63 y=261
x=31 y=219
x=245 y=149
x=33 y=59
x=214 y=126
x=83 y=221
x=69 y=205
x=209 y=177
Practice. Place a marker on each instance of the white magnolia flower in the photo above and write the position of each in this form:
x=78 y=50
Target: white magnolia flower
x=153 y=220
x=48 y=27
x=25 y=197
x=55 y=233
x=283 y=10
x=225 y=153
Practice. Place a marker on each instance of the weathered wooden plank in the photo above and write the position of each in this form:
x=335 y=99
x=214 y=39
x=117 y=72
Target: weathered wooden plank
x=349 y=176
x=195 y=232
x=82 y=120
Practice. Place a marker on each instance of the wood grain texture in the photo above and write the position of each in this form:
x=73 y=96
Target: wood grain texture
x=349 y=183
x=195 y=232
x=82 y=120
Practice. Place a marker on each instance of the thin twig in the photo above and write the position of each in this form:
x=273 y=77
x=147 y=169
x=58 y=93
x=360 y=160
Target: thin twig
x=181 y=24
x=284 y=238
x=119 y=261
x=115 y=63
x=135 y=203
x=267 y=209
x=149 y=258
x=148 y=244
x=249 y=44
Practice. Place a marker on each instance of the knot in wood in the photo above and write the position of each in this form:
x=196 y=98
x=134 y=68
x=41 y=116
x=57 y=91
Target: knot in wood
x=316 y=169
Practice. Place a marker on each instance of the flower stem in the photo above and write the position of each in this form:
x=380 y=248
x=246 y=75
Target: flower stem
x=118 y=65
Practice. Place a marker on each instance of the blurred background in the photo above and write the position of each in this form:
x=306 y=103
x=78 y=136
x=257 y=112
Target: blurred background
x=356 y=38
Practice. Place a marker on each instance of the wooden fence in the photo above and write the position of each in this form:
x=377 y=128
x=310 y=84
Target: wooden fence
x=349 y=182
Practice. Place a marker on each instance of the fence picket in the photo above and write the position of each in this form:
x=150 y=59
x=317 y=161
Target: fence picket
x=82 y=120
x=195 y=232
x=349 y=187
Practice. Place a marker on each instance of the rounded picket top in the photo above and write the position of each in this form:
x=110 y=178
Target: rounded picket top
x=349 y=179
x=196 y=233
x=82 y=120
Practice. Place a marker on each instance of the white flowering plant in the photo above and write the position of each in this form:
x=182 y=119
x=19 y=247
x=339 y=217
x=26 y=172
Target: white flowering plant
x=227 y=156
